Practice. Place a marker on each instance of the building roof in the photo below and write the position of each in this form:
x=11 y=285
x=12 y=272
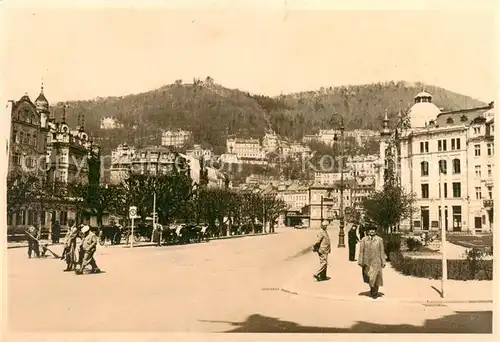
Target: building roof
x=423 y=94
x=463 y=116
x=41 y=102
x=421 y=113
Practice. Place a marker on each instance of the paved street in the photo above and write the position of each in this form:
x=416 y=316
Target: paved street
x=220 y=286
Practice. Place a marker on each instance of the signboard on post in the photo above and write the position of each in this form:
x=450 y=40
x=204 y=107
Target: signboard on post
x=132 y=212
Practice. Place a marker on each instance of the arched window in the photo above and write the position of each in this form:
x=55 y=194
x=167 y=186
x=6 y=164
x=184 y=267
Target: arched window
x=424 y=168
x=442 y=166
x=456 y=166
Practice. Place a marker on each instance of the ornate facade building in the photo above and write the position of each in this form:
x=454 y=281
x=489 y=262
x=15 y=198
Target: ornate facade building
x=48 y=149
x=447 y=160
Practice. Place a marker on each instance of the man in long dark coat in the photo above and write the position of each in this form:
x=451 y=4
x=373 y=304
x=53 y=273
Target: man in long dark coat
x=352 y=239
x=33 y=245
x=56 y=232
x=372 y=260
x=322 y=247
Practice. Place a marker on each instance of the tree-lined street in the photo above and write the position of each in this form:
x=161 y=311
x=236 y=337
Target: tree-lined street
x=220 y=286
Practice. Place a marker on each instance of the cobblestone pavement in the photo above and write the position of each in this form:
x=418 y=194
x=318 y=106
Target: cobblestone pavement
x=220 y=286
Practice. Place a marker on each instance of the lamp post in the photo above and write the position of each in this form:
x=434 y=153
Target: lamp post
x=341 y=228
x=442 y=217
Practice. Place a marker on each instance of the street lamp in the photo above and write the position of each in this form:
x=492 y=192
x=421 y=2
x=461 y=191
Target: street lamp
x=335 y=138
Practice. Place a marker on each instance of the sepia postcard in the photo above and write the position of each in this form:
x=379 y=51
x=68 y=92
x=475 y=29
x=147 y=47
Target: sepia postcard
x=278 y=170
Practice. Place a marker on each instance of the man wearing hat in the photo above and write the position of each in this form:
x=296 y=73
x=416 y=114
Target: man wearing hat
x=88 y=247
x=372 y=260
x=322 y=247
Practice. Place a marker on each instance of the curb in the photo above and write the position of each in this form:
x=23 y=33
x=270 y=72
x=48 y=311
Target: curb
x=153 y=244
x=386 y=300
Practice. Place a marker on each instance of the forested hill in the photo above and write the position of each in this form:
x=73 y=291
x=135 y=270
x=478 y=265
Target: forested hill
x=212 y=112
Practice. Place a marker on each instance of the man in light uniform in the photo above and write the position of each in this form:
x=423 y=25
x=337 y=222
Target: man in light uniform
x=89 y=246
x=322 y=247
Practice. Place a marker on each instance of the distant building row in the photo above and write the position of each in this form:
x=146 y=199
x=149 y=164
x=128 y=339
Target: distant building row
x=157 y=160
x=327 y=136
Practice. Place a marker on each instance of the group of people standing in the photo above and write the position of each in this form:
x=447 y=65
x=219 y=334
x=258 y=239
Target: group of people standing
x=371 y=256
x=79 y=248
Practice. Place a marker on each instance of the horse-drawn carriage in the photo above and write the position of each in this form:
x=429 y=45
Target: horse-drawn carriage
x=114 y=234
x=180 y=233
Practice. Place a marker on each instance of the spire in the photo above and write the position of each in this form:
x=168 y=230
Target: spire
x=385 y=125
x=64 y=114
x=386 y=121
x=82 y=122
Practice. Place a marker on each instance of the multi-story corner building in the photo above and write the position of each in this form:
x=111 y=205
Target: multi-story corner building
x=27 y=146
x=67 y=152
x=247 y=151
x=363 y=166
x=361 y=191
x=49 y=149
x=158 y=160
x=295 y=194
x=151 y=160
x=175 y=138
x=459 y=143
x=244 y=148
x=110 y=123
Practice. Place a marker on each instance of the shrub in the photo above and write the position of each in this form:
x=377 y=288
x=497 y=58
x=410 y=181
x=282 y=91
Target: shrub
x=392 y=243
x=413 y=244
x=432 y=268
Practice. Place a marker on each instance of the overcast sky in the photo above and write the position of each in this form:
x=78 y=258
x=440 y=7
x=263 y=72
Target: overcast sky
x=85 y=53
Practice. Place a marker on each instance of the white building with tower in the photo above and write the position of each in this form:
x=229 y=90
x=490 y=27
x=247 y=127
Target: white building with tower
x=461 y=144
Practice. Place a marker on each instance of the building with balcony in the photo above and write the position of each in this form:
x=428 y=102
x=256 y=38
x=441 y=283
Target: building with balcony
x=52 y=151
x=153 y=160
x=460 y=143
x=363 y=165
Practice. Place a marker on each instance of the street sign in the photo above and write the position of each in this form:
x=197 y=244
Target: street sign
x=132 y=212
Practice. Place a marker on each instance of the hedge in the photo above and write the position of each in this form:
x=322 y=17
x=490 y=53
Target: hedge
x=432 y=268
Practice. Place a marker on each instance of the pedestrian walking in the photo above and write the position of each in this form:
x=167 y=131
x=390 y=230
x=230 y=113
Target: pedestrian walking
x=33 y=245
x=322 y=247
x=69 y=253
x=88 y=248
x=56 y=232
x=372 y=260
x=361 y=229
x=352 y=239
